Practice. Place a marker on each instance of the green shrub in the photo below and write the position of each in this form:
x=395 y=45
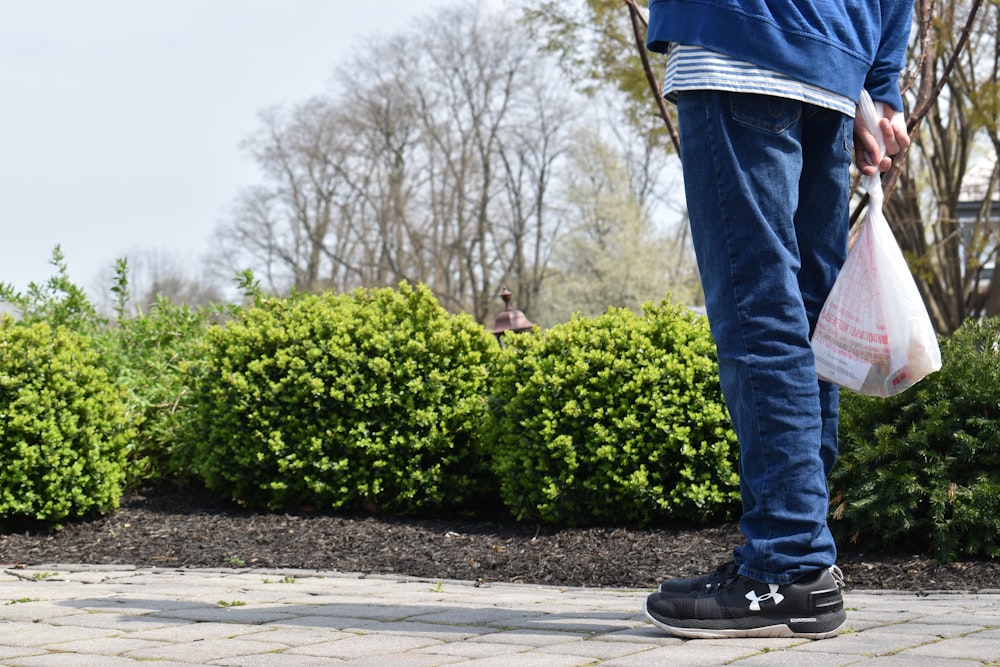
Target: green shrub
x=143 y=353
x=58 y=301
x=922 y=470
x=617 y=419
x=368 y=400
x=63 y=425
x=147 y=354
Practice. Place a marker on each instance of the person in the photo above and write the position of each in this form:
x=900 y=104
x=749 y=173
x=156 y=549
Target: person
x=766 y=92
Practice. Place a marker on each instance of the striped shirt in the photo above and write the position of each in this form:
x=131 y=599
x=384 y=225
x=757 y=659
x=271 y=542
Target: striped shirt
x=695 y=68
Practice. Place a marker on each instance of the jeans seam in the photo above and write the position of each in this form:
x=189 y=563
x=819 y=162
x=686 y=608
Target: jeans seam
x=738 y=296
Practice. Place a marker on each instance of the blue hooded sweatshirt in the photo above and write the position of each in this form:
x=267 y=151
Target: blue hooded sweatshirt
x=839 y=45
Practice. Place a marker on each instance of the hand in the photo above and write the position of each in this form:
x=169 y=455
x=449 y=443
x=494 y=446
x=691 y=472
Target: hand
x=893 y=128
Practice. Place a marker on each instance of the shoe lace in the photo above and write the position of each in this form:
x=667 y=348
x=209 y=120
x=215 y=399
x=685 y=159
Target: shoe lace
x=723 y=574
x=729 y=572
x=838 y=576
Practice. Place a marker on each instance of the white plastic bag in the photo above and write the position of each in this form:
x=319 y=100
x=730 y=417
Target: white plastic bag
x=874 y=336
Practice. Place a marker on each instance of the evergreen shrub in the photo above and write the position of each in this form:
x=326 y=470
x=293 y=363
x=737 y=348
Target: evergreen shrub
x=617 y=419
x=370 y=400
x=64 y=427
x=921 y=470
x=149 y=353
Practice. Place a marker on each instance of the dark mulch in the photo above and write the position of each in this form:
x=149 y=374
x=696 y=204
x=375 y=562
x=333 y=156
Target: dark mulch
x=195 y=529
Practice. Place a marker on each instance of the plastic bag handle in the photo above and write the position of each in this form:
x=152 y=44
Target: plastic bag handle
x=871 y=113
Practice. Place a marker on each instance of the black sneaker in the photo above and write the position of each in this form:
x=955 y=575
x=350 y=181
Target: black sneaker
x=811 y=607
x=702 y=584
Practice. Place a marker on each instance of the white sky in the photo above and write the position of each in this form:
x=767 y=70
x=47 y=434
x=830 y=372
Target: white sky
x=120 y=120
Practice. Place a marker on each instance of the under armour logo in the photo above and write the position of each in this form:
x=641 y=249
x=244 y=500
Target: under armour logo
x=774 y=596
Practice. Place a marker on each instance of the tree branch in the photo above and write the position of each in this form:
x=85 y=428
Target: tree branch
x=640 y=21
x=925 y=101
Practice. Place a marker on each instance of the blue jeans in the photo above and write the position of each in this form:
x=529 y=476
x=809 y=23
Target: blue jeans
x=767 y=182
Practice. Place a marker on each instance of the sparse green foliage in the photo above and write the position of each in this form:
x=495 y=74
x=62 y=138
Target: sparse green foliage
x=922 y=470
x=146 y=354
x=120 y=288
x=609 y=253
x=617 y=419
x=364 y=400
x=63 y=425
x=150 y=353
x=249 y=286
x=58 y=302
x=596 y=46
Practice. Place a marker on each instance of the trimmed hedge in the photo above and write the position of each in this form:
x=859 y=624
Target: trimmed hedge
x=370 y=400
x=381 y=400
x=64 y=428
x=921 y=470
x=617 y=419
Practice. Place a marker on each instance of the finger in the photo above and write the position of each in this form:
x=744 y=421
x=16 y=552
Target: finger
x=902 y=137
x=864 y=163
x=866 y=149
x=889 y=136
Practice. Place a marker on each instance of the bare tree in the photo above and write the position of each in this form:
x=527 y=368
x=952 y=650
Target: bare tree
x=430 y=164
x=153 y=274
x=601 y=47
x=381 y=171
x=530 y=159
x=494 y=122
x=941 y=208
x=608 y=252
x=286 y=228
